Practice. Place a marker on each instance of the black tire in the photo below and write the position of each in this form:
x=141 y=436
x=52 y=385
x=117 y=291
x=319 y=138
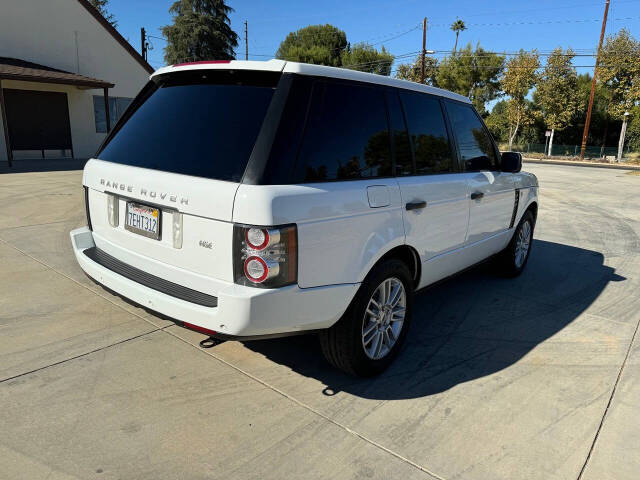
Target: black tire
x=342 y=344
x=507 y=259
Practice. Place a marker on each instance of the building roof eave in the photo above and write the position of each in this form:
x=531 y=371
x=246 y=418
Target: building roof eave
x=116 y=35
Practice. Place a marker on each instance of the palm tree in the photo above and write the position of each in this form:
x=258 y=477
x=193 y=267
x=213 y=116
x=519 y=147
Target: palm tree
x=457 y=26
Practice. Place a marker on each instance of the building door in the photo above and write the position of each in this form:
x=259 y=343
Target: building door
x=38 y=120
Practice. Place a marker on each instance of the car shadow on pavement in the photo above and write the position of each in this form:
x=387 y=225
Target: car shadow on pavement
x=473 y=325
x=42 y=165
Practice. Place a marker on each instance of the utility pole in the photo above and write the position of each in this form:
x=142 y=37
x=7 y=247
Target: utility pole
x=424 y=46
x=622 y=135
x=585 y=134
x=246 y=42
x=143 y=43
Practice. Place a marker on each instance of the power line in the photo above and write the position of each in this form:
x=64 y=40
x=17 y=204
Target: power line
x=417 y=27
x=538 y=22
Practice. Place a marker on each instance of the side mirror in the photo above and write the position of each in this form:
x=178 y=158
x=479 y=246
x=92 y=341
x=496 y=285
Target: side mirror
x=511 y=162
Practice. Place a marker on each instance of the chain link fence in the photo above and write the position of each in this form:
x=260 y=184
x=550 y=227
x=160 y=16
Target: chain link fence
x=567 y=151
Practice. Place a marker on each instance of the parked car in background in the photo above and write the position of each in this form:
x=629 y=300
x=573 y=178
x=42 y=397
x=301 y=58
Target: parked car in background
x=252 y=199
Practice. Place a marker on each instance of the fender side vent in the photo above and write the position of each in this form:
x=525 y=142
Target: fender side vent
x=515 y=208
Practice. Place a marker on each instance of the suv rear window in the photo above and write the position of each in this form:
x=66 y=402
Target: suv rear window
x=200 y=123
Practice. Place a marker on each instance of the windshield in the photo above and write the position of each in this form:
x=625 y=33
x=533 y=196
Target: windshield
x=201 y=123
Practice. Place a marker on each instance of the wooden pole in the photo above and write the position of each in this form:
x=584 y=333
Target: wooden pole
x=106 y=108
x=585 y=134
x=246 y=42
x=5 y=125
x=143 y=43
x=424 y=47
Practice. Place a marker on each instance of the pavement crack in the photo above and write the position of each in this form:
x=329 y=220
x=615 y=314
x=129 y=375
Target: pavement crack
x=606 y=410
x=45 y=264
x=312 y=410
x=33 y=225
x=120 y=342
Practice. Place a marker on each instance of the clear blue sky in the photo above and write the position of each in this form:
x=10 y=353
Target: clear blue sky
x=497 y=25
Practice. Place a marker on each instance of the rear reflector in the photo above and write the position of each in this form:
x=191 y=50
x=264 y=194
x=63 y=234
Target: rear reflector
x=86 y=207
x=204 y=62
x=196 y=328
x=112 y=209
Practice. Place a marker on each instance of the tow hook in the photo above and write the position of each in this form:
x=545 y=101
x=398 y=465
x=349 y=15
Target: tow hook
x=210 y=342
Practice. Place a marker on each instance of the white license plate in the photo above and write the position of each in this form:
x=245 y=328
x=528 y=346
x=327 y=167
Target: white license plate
x=143 y=220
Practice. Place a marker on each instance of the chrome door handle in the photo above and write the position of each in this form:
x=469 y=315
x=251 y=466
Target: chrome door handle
x=477 y=195
x=415 y=205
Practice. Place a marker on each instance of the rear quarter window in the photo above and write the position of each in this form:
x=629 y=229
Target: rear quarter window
x=200 y=123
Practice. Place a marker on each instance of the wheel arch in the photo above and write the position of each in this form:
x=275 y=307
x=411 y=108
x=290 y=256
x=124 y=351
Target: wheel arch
x=407 y=254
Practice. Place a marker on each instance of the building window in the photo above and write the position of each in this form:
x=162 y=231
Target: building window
x=117 y=106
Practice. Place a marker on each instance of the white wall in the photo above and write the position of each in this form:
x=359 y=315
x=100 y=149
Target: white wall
x=63 y=34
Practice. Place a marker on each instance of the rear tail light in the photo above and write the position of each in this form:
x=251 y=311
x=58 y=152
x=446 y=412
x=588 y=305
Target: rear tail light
x=265 y=257
x=112 y=209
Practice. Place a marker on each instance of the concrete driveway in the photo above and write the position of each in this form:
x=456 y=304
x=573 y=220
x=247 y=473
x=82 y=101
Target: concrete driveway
x=532 y=378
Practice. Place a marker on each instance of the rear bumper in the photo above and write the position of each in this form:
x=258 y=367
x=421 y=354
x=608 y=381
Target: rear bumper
x=240 y=311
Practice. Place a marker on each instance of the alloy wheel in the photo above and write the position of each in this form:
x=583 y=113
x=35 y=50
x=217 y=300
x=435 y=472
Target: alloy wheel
x=384 y=318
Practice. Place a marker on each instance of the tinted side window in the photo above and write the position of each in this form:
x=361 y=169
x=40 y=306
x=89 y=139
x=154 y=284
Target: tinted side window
x=284 y=150
x=428 y=133
x=475 y=145
x=401 y=145
x=347 y=136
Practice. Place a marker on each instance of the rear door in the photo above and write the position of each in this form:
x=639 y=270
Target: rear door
x=434 y=193
x=161 y=190
x=491 y=191
x=346 y=201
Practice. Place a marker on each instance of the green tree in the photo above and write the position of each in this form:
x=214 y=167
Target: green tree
x=365 y=58
x=412 y=71
x=498 y=123
x=472 y=73
x=518 y=78
x=633 y=133
x=557 y=93
x=620 y=71
x=101 y=6
x=201 y=31
x=317 y=44
x=457 y=27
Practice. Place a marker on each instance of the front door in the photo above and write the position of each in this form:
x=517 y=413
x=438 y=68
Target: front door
x=434 y=192
x=491 y=197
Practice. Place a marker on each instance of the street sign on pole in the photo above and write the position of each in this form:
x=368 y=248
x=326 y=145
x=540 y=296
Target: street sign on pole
x=547 y=133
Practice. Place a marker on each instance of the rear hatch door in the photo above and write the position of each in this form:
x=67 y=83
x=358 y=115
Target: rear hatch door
x=171 y=168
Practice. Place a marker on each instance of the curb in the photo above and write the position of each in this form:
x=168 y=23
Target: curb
x=612 y=166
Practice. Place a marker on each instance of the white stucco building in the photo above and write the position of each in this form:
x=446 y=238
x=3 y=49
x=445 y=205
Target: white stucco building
x=59 y=59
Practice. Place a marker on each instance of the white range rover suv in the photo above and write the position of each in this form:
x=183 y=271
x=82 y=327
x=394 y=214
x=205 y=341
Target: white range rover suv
x=255 y=199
